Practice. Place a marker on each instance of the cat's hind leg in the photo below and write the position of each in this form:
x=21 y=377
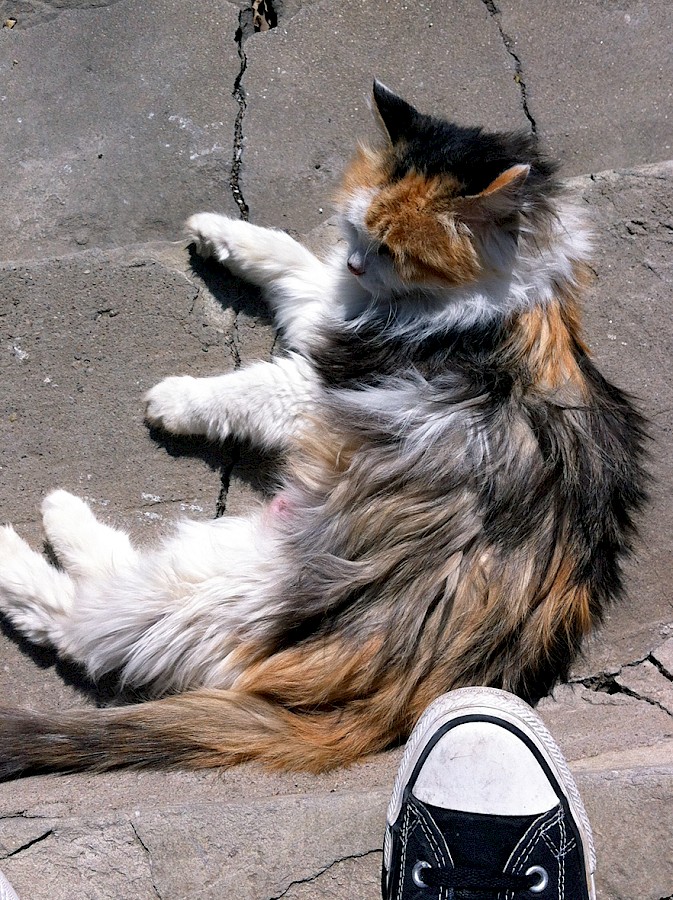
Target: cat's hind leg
x=86 y=547
x=36 y=597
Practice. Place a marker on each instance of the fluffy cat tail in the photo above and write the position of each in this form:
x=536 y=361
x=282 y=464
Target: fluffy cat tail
x=198 y=729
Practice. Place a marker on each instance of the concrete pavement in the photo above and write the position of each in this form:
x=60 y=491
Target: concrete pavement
x=120 y=119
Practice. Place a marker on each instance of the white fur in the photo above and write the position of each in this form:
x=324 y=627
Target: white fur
x=297 y=285
x=263 y=403
x=173 y=617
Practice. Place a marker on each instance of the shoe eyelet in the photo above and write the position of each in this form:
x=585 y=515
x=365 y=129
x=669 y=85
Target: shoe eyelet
x=416 y=874
x=542 y=883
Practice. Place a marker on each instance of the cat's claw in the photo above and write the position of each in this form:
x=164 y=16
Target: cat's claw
x=211 y=235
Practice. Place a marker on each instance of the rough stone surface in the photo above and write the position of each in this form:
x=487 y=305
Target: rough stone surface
x=589 y=724
x=632 y=214
x=632 y=820
x=598 y=78
x=646 y=681
x=663 y=656
x=294 y=126
x=331 y=828
x=116 y=120
x=83 y=334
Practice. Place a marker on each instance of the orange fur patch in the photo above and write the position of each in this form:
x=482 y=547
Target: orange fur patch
x=368 y=169
x=326 y=671
x=547 y=338
x=414 y=218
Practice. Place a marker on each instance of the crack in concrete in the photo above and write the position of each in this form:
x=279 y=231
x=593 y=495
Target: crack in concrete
x=21 y=814
x=28 y=844
x=519 y=78
x=239 y=96
x=225 y=480
x=606 y=682
x=311 y=878
x=149 y=858
x=260 y=16
x=660 y=666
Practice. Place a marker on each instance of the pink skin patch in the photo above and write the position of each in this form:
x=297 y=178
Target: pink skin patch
x=280 y=507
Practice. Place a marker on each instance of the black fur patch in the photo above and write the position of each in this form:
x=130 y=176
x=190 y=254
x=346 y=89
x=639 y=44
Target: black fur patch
x=434 y=146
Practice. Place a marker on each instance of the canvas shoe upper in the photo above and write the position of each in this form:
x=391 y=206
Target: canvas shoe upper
x=484 y=806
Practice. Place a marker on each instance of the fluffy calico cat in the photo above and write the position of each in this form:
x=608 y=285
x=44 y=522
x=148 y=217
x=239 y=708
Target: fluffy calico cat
x=459 y=490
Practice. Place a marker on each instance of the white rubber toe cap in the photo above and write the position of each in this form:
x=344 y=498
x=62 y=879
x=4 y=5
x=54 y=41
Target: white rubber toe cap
x=480 y=767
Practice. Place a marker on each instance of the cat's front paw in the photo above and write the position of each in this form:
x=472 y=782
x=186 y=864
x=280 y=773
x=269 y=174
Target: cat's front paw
x=212 y=235
x=169 y=405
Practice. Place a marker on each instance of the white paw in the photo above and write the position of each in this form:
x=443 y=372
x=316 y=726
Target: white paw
x=169 y=405
x=64 y=513
x=17 y=562
x=213 y=234
x=11 y=547
x=34 y=596
x=65 y=505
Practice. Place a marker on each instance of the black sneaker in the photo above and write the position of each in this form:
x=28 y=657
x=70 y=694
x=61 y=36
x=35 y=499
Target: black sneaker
x=484 y=806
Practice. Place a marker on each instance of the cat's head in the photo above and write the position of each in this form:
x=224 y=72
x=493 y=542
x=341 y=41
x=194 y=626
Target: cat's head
x=440 y=205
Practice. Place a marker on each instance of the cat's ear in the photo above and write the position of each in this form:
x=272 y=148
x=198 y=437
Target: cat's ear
x=396 y=114
x=501 y=199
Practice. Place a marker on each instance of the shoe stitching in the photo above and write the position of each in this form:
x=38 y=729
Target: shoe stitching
x=414 y=811
x=403 y=861
x=425 y=820
x=540 y=831
x=441 y=853
x=562 y=858
x=530 y=834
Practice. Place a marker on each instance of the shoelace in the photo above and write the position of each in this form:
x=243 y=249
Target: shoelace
x=476 y=881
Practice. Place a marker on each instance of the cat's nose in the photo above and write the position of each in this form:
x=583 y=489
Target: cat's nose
x=356 y=264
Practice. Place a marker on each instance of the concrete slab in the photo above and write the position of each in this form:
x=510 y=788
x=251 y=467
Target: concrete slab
x=663 y=657
x=598 y=78
x=589 y=726
x=197 y=834
x=316 y=845
x=307 y=87
x=626 y=319
x=645 y=680
x=81 y=339
x=116 y=120
x=81 y=336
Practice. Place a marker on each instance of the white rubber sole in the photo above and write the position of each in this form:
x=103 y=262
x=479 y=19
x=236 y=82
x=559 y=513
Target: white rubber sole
x=509 y=709
x=7 y=892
